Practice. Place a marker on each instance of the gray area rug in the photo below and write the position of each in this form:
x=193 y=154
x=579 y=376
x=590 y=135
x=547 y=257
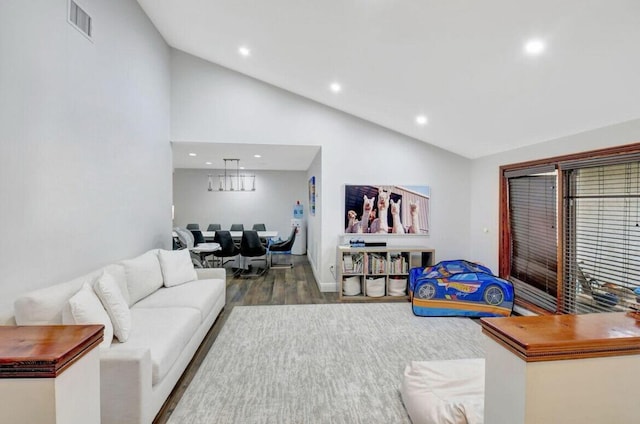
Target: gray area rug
x=338 y=363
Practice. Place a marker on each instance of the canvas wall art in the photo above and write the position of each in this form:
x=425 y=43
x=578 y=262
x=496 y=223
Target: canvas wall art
x=312 y=195
x=387 y=209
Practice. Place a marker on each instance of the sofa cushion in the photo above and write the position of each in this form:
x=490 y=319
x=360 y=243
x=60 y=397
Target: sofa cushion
x=44 y=306
x=113 y=301
x=143 y=275
x=199 y=294
x=176 y=267
x=449 y=391
x=164 y=331
x=85 y=308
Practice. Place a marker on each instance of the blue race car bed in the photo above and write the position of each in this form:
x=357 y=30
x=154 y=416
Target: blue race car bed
x=459 y=288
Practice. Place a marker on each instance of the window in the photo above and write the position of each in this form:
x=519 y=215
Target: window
x=532 y=212
x=602 y=234
x=464 y=277
x=580 y=254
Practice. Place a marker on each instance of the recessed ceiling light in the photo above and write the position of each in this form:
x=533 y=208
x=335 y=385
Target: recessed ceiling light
x=193 y=154
x=421 y=120
x=335 y=87
x=244 y=51
x=257 y=156
x=208 y=163
x=534 y=47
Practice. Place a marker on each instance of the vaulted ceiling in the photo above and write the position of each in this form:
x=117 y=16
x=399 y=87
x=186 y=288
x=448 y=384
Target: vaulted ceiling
x=461 y=64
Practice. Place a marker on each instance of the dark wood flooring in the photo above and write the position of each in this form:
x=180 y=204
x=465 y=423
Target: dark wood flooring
x=292 y=286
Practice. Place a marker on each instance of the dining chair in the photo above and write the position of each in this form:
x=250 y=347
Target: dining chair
x=251 y=249
x=193 y=226
x=261 y=227
x=236 y=227
x=228 y=248
x=186 y=241
x=214 y=227
x=283 y=248
x=198 y=239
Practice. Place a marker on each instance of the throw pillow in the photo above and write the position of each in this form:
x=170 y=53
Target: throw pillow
x=143 y=275
x=113 y=301
x=177 y=267
x=85 y=308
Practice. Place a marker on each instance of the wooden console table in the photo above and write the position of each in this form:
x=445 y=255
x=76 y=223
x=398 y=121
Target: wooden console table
x=50 y=374
x=562 y=368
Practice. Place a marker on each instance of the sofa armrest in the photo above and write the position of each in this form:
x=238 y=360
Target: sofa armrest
x=125 y=385
x=211 y=273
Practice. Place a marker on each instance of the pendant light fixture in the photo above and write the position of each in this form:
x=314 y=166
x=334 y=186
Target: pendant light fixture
x=232 y=179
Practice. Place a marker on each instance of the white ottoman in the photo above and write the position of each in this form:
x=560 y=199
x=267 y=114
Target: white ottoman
x=444 y=392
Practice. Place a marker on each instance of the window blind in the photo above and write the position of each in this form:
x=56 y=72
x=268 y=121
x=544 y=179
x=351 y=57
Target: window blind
x=602 y=237
x=533 y=216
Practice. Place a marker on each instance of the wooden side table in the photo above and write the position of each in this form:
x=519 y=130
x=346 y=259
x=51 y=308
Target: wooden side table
x=50 y=374
x=562 y=369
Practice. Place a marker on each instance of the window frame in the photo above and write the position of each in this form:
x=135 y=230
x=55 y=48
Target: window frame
x=504 y=239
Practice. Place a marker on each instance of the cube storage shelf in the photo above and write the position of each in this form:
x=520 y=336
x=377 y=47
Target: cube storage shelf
x=378 y=273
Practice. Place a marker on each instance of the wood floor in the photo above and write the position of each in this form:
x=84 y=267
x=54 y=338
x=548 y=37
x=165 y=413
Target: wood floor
x=277 y=287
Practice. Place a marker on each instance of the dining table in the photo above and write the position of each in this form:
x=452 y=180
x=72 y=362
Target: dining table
x=209 y=235
x=205 y=249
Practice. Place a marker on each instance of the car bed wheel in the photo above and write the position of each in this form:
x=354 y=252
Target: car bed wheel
x=427 y=291
x=493 y=295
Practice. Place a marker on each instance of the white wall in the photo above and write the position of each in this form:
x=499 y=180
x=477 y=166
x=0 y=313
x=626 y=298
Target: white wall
x=214 y=104
x=271 y=203
x=85 y=159
x=485 y=178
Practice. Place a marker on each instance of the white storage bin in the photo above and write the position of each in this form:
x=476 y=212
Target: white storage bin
x=351 y=286
x=397 y=286
x=375 y=286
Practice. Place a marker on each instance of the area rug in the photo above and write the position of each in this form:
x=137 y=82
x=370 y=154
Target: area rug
x=338 y=363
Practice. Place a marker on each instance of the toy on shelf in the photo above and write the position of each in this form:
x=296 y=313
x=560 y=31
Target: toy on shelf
x=459 y=288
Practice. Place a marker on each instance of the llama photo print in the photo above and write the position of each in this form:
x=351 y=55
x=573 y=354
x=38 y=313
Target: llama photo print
x=388 y=209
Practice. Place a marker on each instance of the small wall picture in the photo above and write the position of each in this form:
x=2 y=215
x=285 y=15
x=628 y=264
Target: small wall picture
x=387 y=209
x=312 y=195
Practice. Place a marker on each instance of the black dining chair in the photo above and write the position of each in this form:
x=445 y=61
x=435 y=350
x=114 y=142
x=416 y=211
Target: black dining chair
x=250 y=248
x=214 y=227
x=198 y=238
x=283 y=248
x=261 y=227
x=228 y=248
x=237 y=228
x=193 y=226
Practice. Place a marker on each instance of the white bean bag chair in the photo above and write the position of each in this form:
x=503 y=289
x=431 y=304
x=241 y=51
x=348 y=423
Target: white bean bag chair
x=444 y=392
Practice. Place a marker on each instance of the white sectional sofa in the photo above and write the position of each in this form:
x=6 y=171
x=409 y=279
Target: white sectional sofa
x=165 y=328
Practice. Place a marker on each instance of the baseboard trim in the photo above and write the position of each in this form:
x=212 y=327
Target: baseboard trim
x=328 y=287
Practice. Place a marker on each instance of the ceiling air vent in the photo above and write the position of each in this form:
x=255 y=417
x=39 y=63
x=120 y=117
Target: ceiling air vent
x=80 y=19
